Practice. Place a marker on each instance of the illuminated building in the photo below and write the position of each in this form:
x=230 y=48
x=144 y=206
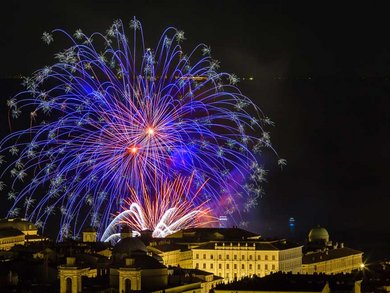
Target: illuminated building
x=89 y=235
x=70 y=276
x=26 y=227
x=233 y=260
x=132 y=268
x=18 y=232
x=172 y=254
x=10 y=237
x=322 y=256
x=231 y=253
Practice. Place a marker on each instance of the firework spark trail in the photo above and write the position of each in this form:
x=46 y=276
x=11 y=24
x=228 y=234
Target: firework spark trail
x=171 y=206
x=110 y=111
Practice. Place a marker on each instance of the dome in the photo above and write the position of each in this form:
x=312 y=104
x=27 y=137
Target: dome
x=318 y=234
x=129 y=246
x=20 y=224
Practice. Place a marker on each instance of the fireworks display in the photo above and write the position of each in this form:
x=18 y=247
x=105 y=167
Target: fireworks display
x=171 y=208
x=111 y=111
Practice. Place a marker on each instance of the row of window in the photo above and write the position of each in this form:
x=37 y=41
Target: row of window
x=235 y=266
x=235 y=257
x=227 y=276
x=7 y=241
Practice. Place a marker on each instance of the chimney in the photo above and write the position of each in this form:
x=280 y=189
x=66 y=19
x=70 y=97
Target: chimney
x=70 y=261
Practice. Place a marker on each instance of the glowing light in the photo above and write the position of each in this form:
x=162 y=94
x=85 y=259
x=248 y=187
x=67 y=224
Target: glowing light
x=132 y=150
x=97 y=107
x=150 y=131
x=170 y=207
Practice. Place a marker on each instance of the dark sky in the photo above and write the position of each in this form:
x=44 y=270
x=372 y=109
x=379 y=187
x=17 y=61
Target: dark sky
x=321 y=72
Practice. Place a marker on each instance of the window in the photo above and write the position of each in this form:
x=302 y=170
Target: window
x=266 y=267
x=220 y=266
x=250 y=257
x=204 y=265
x=273 y=257
x=69 y=285
x=258 y=267
x=211 y=256
x=219 y=256
x=197 y=256
x=227 y=266
x=235 y=256
x=243 y=267
x=227 y=275
x=197 y=266
x=235 y=266
x=243 y=257
x=227 y=256
x=273 y=267
x=266 y=257
x=250 y=266
x=211 y=266
x=259 y=257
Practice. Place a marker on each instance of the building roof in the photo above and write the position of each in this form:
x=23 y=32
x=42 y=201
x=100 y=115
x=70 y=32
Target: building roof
x=9 y=232
x=20 y=224
x=141 y=261
x=199 y=272
x=328 y=254
x=259 y=245
x=166 y=247
x=128 y=246
x=179 y=275
x=207 y=234
x=36 y=238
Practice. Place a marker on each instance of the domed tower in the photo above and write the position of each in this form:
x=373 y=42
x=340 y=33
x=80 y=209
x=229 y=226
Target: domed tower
x=70 y=275
x=89 y=234
x=318 y=238
x=133 y=269
x=127 y=248
x=318 y=234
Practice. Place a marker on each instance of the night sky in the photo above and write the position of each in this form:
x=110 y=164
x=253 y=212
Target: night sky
x=321 y=73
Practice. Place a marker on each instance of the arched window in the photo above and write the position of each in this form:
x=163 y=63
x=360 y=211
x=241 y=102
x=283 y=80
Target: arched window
x=127 y=286
x=68 y=285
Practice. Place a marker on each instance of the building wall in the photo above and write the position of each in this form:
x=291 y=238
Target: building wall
x=344 y=264
x=207 y=285
x=74 y=274
x=154 y=278
x=290 y=260
x=6 y=243
x=186 y=259
x=171 y=258
x=235 y=262
x=89 y=236
x=176 y=258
